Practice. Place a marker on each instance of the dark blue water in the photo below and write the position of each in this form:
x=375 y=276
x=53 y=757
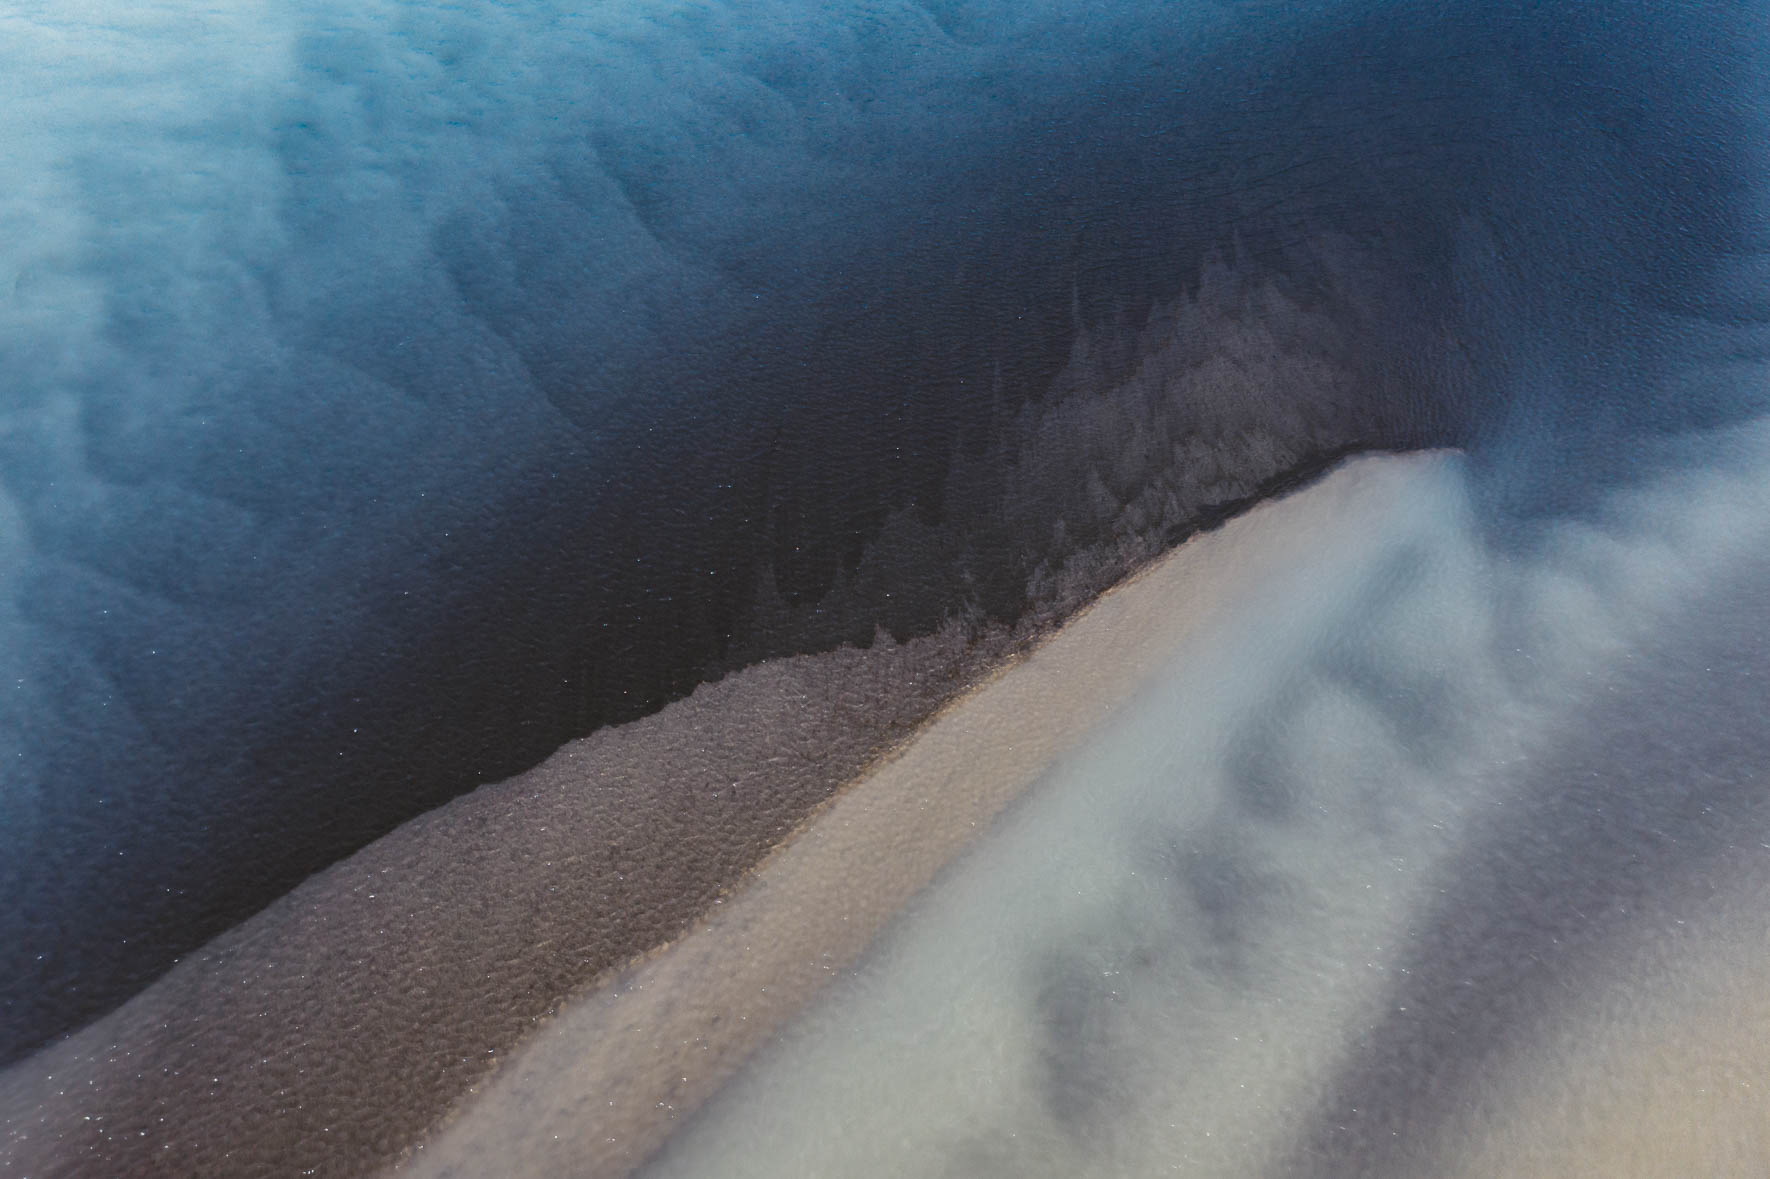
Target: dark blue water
x=394 y=393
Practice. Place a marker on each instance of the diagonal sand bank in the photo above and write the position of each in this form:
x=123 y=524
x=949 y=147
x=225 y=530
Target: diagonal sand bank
x=1439 y=847
x=1355 y=681
x=328 y=1032
x=603 y=1083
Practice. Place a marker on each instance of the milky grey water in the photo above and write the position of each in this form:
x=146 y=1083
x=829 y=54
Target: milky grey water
x=1342 y=862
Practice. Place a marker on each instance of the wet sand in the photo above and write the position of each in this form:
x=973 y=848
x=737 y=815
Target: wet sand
x=325 y=1033
x=404 y=1009
x=330 y=1031
x=1666 y=1071
x=602 y=1085
x=1441 y=851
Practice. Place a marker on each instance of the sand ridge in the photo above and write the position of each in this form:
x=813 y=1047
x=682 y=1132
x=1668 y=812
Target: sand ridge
x=604 y=1083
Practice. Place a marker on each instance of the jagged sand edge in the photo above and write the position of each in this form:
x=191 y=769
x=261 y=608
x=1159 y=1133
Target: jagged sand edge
x=607 y=1080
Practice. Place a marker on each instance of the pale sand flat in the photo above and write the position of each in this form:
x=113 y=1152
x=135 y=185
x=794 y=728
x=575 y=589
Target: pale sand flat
x=601 y=1086
x=326 y=1033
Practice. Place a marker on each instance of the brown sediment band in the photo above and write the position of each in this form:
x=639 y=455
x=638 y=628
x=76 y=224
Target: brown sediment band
x=331 y=1031
x=333 y=1028
x=603 y=1084
x=325 y=1034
